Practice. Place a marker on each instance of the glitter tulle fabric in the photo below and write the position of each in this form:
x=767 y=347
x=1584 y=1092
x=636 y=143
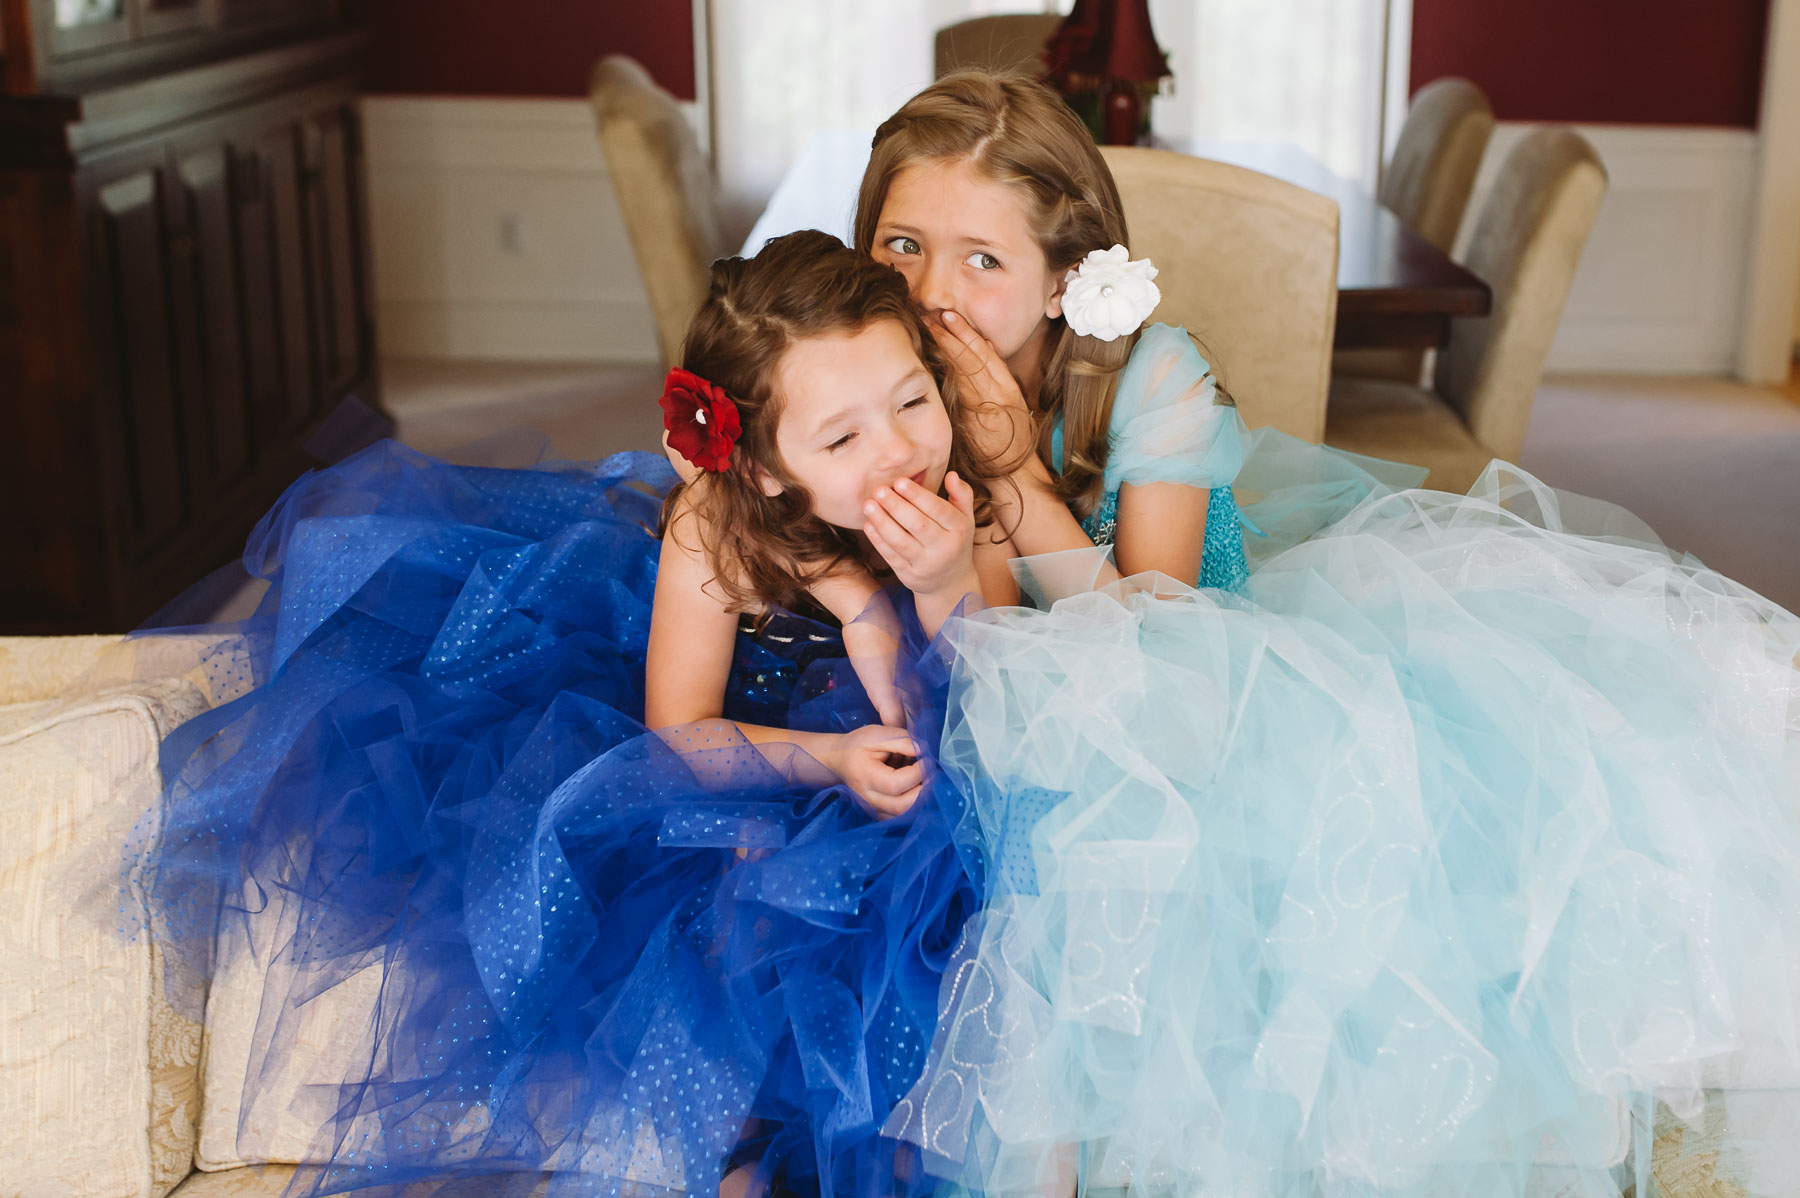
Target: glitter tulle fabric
x=1419 y=864
x=626 y=960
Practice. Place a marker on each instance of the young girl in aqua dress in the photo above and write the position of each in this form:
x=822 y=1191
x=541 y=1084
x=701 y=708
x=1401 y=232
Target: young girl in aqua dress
x=1410 y=854
x=638 y=961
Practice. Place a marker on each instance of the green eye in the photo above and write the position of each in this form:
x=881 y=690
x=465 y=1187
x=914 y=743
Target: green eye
x=902 y=245
x=981 y=261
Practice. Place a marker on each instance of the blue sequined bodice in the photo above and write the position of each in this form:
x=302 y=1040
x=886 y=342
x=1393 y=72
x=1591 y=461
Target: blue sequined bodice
x=791 y=671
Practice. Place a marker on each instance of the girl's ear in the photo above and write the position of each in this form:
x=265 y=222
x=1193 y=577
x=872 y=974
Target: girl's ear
x=766 y=481
x=1053 y=305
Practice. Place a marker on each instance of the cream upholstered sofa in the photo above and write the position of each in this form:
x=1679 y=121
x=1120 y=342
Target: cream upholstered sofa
x=108 y=1091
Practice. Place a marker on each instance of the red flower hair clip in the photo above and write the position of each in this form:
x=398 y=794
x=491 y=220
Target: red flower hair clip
x=701 y=420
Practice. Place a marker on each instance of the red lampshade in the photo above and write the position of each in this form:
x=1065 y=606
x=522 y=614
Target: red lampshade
x=1078 y=46
x=1131 y=50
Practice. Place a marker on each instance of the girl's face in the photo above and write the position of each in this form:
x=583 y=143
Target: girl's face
x=859 y=411
x=964 y=244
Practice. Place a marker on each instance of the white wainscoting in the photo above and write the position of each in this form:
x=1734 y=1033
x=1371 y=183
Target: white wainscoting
x=1661 y=284
x=497 y=235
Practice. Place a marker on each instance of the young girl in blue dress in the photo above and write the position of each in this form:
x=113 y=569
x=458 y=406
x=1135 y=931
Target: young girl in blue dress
x=1410 y=854
x=638 y=961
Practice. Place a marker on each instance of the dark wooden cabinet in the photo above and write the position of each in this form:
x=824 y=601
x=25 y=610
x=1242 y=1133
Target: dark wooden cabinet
x=184 y=303
x=60 y=45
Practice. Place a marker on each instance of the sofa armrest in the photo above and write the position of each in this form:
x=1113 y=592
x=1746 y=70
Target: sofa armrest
x=35 y=668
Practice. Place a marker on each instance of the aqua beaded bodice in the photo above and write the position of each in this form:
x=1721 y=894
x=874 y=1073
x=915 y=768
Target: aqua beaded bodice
x=1222 y=560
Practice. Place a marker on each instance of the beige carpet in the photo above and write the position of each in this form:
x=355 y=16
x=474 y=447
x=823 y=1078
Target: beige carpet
x=1712 y=465
x=577 y=411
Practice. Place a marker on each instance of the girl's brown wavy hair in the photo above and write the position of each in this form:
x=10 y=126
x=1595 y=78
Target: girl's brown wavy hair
x=763 y=549
x=1018 y=132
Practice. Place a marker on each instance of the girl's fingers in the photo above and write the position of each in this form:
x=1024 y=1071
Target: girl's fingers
x=933 y=508
x=892 y=533
x=887 y=808
x=971 y=353
x=974 y=357
x=901 y=503
x=965 y=332
x=892 y=556
x=900 y=781
x=960 y=494
x=893 y=740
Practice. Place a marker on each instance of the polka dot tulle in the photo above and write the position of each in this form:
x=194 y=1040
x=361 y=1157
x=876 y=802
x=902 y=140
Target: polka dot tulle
x=630 y=961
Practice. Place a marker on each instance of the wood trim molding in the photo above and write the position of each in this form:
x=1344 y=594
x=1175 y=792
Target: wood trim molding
x=1765 y=351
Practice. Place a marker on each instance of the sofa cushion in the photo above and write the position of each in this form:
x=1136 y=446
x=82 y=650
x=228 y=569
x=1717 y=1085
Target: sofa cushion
x=98 y=1075
x=263 y=1181
x=276 y=1115
x=1740 y=1144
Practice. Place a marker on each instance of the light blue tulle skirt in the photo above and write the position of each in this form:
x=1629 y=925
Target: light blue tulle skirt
x=1418 y=865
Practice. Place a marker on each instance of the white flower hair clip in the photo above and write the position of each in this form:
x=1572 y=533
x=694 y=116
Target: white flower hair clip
x=1109 y=295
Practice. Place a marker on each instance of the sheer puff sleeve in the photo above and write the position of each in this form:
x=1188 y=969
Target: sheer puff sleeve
x=1168 y=424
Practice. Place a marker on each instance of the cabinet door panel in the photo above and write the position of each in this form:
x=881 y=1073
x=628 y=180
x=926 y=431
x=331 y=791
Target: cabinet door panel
x=333 y=257
x=140 y=390
x=340 y=183
x=157 y=18
x=216 y=399
x=277 y=289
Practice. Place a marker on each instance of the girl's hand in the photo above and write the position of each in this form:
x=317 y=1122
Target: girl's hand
x=881 y=765
x=1002 y=425
x=928 y=541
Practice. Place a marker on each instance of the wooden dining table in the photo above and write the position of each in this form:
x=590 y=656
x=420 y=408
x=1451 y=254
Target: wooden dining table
x=1395 y=289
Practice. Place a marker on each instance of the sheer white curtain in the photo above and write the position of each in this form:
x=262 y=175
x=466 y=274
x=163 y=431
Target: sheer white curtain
x=784 y=69
x=1306 y=72
x=1309 y=72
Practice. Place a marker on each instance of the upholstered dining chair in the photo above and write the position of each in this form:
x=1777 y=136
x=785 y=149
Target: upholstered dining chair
x=1248 y=264
x=1427 y=184
x=1526 y=244
x=1428 y=180
x=1011 y=42
x=666 y=192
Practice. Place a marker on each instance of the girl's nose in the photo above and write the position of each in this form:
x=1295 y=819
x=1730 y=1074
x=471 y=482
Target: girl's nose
x=936 y=291
x=895 y=449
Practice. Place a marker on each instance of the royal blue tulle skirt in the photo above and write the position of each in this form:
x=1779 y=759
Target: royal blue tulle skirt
x=548 y=941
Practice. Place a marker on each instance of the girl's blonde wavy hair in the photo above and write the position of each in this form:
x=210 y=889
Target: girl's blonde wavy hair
x=763 y=549
x=1018 y=132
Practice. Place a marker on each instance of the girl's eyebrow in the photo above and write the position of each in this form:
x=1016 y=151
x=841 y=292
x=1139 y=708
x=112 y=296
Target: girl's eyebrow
x=910 y=377
x=830 y=423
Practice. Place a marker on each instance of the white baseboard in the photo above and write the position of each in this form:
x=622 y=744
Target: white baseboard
x=517 y=330
x=1661 y=283
x=496 y=234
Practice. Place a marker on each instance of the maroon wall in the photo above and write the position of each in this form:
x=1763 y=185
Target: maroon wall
x=521 y=47
x=1651 y=62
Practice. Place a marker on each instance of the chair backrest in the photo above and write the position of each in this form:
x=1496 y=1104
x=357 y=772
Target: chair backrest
x=1527 y=244
x=666 y=193
x=1005 y=43
x=1248 y=264
x=1428 y=181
